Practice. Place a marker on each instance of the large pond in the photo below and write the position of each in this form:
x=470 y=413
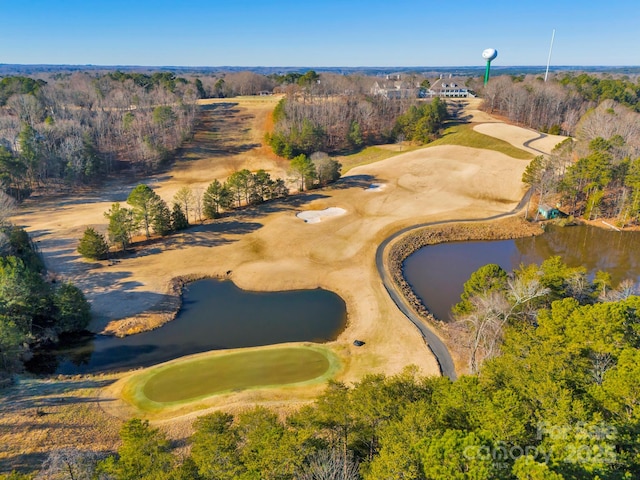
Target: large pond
x=437 y=273
x=214 y=315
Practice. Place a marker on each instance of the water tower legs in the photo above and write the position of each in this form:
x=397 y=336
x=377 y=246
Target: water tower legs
x=486 y=72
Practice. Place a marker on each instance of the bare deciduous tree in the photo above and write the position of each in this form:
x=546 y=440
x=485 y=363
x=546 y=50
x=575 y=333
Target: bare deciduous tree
x=197 y=203
x=69 y=464
x=483 y=327
x=7 y=208
x=330 y=465
x=601 y=363
x=184 y=197
x=608 y=120
x=624 y=290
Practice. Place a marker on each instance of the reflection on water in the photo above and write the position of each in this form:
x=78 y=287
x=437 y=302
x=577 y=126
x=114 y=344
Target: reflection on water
x=595 y=248
x=214 y=315
x=437 y=272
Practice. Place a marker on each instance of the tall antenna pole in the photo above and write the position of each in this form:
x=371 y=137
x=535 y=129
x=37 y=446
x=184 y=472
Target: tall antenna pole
x=546 y=73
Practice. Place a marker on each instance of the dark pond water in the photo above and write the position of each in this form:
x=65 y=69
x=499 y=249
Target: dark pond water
x=214 y=315
x=437 y=272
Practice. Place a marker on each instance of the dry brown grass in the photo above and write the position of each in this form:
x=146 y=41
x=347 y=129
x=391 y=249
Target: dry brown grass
x=266 y=248
x=37 y=416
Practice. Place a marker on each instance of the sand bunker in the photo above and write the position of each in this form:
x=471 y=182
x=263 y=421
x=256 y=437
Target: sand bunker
x=316 y=216
x=520 y=137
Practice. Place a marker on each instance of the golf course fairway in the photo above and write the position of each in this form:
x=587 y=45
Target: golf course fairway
x=203 y=375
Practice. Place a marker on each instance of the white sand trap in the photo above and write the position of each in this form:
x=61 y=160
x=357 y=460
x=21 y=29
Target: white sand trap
x=375 y=187
x=519 y=136
x=316 y=216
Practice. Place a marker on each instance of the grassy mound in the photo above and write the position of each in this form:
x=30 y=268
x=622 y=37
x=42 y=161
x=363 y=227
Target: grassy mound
x=466 y=136
x=372 y=154
x=198 y=377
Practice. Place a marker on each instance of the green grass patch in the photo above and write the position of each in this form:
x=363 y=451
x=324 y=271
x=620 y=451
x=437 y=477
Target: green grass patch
x=466 y=136
x=463 y=135
x=202 y=376
x=371 y=155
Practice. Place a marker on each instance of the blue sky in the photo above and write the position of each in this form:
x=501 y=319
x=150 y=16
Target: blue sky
x=318 y=33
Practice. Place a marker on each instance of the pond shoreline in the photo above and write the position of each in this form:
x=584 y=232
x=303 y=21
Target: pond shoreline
x=215 y=315
x=164 y=311
x=503 y=229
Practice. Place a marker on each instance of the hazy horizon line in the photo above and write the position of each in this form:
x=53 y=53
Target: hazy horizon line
x=131 y=65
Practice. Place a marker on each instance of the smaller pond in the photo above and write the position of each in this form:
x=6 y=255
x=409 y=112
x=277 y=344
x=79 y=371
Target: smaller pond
x=215 y=315
x=437 y=273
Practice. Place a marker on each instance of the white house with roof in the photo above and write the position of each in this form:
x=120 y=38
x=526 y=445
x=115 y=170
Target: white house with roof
x=449 y=88
x=394 y=88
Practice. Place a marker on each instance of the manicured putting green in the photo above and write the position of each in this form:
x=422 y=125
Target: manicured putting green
x=200 y=377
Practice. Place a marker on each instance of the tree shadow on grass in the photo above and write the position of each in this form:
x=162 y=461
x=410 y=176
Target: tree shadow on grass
x=23 y=462
x=209 y=234
x=353 y=181
x=30 y=389
x=292 y=203
x=33 y=398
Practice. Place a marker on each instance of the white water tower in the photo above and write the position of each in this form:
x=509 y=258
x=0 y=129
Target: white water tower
x=488 y=54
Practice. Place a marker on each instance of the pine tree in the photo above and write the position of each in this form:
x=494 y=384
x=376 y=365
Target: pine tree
x=93 y=245
x=178 y=218
x=121 y=225
x=161 y=220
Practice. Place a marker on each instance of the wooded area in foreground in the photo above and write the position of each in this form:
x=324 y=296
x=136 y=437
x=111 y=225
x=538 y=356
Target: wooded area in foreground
x=558 y=402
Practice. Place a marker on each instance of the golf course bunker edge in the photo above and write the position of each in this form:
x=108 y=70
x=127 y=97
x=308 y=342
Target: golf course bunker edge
x=316 y=216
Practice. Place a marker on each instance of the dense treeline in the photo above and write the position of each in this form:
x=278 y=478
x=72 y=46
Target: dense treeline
x=148 y=213
x=251 y=83
x=345 y=123
x=545 y=106
x=77 y=127
x=557 y=105
x=594 y=174
x=149 y=82
x=597 y=89
x=332 y=125
x=559 y=401
x=604 y=181
x=32 y=309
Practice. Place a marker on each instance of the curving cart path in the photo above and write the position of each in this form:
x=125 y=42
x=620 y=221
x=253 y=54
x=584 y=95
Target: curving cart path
x=433 y=342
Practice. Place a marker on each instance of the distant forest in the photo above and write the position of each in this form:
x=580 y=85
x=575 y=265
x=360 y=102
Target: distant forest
x=597 y=174
x=427 y=71
x=78 y=126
